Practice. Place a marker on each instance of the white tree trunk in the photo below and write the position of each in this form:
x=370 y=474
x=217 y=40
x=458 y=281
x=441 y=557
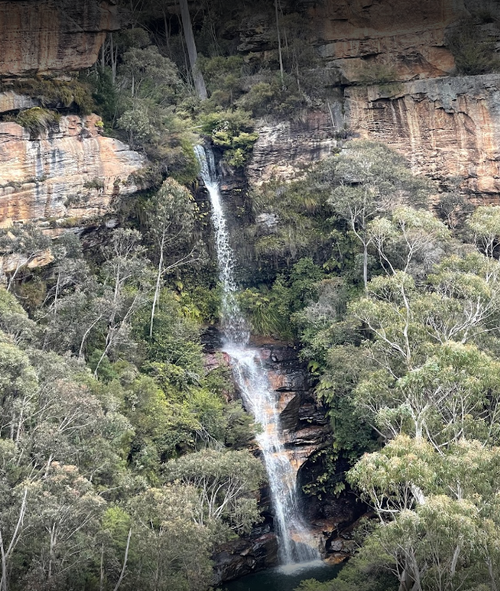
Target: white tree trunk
x=157 y=288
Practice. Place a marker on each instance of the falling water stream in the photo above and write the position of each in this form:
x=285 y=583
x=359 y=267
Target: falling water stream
x=296 y=544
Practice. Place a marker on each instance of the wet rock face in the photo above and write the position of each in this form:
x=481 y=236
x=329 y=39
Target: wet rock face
x=71 y=171
x=305 y=431
x=52 y=36
x=245 y=556
x=305 y=426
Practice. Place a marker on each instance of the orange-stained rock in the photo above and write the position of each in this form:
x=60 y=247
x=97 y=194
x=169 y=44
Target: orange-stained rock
x=447 y=127
x=71 y=171
x=10 y=263
x=52 y=36
x=405 y=35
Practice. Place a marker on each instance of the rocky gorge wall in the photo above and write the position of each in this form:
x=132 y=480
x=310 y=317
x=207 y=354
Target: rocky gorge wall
x=448 y=128
x=392 y=79
x=446 y=125
x=407 y=37
x=69 y=173
x=305 y=431
x=52 y=36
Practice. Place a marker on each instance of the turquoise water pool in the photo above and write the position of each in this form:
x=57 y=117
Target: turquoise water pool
x=283 y=578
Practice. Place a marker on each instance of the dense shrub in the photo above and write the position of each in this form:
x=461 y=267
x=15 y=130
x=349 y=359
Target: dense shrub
x=474 y=52
x=37 y=120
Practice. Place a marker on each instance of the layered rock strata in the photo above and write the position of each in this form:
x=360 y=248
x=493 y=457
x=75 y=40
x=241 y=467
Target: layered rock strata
x=286 y=149
x=303 y=421
x=69 y=171
x=52 y=36
x=406 y=37
x=448 y=128
x=391 y=78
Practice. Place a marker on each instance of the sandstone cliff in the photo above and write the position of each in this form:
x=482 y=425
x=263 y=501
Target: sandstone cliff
x=286 y=148
x=406 y=36
x=392 y=79
x=71 y=171
x=448 y=128
x=52 y=36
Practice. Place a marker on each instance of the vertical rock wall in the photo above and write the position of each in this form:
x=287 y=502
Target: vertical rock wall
x=52 y=36
x=70 y=171
x=448 y=128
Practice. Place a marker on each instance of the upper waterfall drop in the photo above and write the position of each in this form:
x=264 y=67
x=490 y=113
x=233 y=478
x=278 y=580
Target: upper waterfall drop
x=234 y=327
x=295 y=541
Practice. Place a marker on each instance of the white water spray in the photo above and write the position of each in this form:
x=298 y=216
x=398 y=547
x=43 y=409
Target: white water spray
x=296 y=543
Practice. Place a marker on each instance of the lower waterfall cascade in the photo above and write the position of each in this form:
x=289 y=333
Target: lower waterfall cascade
x=296 y=544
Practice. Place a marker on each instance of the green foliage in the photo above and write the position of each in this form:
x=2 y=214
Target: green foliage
x=226 y=483
x=271 y=311
x=55 y=93
x=300 y=223
x=314 y=585
x=473 y=51
x=105 y=95
x=14 y=321
x=137 y=100
x=200 y=303
x=284 y=100
x=149 y=75
x=166 y=521
x=453 y=208
x=485 y=226
x=223 y=78
x=265 y=311
x=319 y=322
x=260 y=97
x=174 y=349
x=37 y=120
x=440 y=524
x=121 y=437
x=81 y=454
x=94 y=184
x=232 y=132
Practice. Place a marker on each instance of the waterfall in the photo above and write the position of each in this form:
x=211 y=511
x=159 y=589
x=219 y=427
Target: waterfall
x=296 y=544
x=235 y=329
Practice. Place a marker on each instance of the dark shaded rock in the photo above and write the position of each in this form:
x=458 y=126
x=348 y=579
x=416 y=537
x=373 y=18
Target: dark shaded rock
x=310 y=412
x=286 y=380
x=290 y=414
x=315 y=434
x=244 y=556
x=211 y=339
